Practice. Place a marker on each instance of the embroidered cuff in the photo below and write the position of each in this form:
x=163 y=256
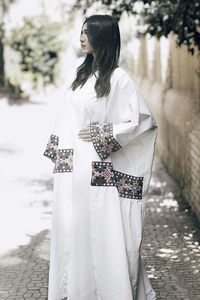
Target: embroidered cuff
x=102 y=174
x=51 y=148
x=64 y=161
x=129 y=186
x=102 y=139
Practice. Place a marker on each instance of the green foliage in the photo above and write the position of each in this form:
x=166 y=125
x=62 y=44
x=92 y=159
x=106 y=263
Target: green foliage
x=38 y=44
x=161 y=17
x=179 y=16
x=4 y=8
x=115 y=6
x=5 y=4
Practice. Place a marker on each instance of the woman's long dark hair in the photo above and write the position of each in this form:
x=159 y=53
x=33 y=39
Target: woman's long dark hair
x=104 y=37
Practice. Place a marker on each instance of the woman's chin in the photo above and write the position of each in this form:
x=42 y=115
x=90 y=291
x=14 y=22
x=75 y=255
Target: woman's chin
x=84 y=51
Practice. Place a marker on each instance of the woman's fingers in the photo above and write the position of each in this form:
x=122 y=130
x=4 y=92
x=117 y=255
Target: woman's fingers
x=83 y=131
x=88 y=139
x=85 y=134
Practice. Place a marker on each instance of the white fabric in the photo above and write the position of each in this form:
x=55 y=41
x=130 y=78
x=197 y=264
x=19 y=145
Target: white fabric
x=96 y=235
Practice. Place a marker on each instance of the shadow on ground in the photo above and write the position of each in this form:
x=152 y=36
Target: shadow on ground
x=24 y=271
x=171 y=247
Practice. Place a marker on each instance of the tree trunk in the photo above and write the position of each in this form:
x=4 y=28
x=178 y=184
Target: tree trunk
x=3 y=8
x=2 y=73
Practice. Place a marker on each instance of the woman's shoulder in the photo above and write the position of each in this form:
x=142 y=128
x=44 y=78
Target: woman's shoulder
x=120 y=74
x=121 y=77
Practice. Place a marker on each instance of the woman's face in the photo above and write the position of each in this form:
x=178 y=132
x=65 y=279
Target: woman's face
x=85 y=45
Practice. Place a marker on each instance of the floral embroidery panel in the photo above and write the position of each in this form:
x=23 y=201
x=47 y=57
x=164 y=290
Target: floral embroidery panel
x=102 y=174
x=102 y=139
x=52 y=145
x=129 y=186
x=64 y=161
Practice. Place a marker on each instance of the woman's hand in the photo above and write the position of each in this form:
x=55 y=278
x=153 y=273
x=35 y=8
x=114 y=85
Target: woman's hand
x=85 y=134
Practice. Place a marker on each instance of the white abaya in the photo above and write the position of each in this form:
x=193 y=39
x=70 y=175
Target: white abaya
x=100 y=193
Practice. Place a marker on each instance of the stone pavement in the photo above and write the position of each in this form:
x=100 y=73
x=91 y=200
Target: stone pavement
x=171 y=247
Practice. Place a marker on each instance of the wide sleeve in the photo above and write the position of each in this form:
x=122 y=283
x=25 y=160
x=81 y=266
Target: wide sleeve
x=129 y=111
x=127 y=117
x=51 y=148
x=102 y=139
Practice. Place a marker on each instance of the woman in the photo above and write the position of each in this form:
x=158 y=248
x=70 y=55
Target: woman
x=102 y=146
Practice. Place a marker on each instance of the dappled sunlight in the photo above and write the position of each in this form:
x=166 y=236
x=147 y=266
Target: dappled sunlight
x=155 y=183
x=171 y=244
x=171 y=248
x=26 y=193
x=8 y=260
x=26 y=267
x=26 y=182
x=26 y=196
x=25 y=209
x=167 y=251
x=169 y=203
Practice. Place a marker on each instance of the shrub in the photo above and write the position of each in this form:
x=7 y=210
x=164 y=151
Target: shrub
x=161 y=17
x=37 y=42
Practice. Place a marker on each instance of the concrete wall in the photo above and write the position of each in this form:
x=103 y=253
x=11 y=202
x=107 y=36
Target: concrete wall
x=169 y=78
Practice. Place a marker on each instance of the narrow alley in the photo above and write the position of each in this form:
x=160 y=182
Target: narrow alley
x=171 y=248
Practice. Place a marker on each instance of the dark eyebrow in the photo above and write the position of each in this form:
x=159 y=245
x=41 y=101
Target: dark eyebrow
x=85 y=30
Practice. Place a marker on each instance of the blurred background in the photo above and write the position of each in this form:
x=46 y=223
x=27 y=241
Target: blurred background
x=39 y=53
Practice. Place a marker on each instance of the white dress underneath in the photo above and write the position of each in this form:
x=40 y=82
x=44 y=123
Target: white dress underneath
x=96 y=234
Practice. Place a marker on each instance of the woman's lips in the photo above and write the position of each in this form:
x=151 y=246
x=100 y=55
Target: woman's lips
x=83 y=46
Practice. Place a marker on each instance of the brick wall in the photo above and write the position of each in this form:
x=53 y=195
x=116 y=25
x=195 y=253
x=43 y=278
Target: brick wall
x=169 y=78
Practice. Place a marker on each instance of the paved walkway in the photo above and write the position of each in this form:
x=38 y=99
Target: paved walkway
x=171 y=247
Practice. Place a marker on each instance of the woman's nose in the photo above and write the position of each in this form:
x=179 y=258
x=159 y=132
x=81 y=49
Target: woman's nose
x=82 y=38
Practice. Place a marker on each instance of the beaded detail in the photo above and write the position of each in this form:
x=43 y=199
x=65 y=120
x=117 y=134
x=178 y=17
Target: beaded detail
x=129 y=186
x=51 y=148
x=64 y=161
x=102 y=139
x=102 y=174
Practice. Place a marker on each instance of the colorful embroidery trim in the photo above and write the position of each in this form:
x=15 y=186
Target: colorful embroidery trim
x=102 y=174
x=102 y=139
x=64 y=161
x=52 y=145
x=129 y=186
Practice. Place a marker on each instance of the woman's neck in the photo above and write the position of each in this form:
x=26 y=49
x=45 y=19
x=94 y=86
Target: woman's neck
x=95 y=66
